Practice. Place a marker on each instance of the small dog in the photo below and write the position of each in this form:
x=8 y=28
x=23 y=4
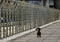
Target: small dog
x=38 y=32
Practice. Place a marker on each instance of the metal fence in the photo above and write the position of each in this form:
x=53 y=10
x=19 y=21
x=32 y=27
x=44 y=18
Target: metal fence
x=23 y=17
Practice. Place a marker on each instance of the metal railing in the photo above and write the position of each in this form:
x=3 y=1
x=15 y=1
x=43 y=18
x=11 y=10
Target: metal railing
x=23 y=16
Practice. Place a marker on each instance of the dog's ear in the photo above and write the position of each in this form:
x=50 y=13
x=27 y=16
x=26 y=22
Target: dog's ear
x=36 y=29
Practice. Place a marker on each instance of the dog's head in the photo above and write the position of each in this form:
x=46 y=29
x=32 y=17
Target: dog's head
x=38 y=29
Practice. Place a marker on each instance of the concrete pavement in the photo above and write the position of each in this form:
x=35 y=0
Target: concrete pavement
x=50 y=33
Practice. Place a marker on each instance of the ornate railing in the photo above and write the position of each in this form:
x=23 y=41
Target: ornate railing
x=23 y=16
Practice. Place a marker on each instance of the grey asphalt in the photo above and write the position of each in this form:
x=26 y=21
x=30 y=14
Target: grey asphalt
x=50 y=33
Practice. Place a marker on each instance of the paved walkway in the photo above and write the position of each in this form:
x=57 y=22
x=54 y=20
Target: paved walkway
x=49 y=34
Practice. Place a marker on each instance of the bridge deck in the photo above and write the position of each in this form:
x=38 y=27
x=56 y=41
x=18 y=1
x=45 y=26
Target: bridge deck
x=50 y=33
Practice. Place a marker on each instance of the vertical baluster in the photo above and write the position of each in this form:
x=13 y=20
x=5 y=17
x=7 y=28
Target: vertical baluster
x=1 y=32
x=4 y=22
x=0 y=22
x=7 y=22
x=12 y=22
